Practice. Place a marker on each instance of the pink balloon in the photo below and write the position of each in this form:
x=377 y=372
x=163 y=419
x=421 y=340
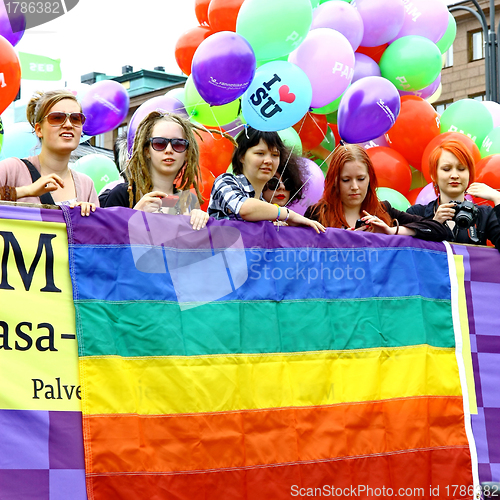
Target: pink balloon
x=329 y=71
x=364 y=66
x=426 y=195
x=342 y=17
x=427 y=18
x=494 y=109
x=313 y=189
x=382 y=20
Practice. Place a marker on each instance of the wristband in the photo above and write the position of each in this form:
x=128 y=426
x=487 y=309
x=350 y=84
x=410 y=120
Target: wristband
x=279 y=211
x=287 y=214
x=397 y=226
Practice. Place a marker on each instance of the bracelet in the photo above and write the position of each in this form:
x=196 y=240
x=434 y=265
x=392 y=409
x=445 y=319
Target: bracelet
x=287 y=214
x=8 y=193
x=397 y=226
x=279 y=211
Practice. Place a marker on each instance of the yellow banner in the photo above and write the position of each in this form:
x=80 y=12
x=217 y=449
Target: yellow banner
x=38 y=347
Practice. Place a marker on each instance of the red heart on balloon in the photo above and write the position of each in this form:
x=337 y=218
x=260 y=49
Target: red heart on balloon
x=286 y=95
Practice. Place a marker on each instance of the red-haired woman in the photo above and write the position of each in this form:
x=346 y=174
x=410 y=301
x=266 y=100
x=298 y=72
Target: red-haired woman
x=452 y=170
x=350 y=197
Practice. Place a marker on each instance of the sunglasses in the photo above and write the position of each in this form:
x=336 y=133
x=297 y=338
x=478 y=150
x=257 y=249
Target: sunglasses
x=58 y=118
x=161 y=143
x=274 y=182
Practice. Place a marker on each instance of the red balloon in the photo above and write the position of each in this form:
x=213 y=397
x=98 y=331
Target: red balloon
x=391 y=168
x=413 y=194
x=488 y=172
x=374 y=52
x=187 y=44
x=222 y=14
x=207 y=181
x=467 y=141
x=201 y=10
x=416 y=126
x=10 y=74
x=311 y=130
x=216 y=152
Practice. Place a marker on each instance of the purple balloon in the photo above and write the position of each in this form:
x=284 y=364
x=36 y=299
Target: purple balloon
x=223 y=67
x=329 y=71
x=426 y=195
x=364 y=66
x=375 y=143
x=105 y=105
x=313 y=189
x=12 y=29
x=368 y=109
x=382 y=20
x=163 y=104
x=342 y=17
x=425 y=92
x=427 y=18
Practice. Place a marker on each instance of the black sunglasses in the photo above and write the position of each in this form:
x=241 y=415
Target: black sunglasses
x=161 y=143
x=58 y=118
x=273 y=184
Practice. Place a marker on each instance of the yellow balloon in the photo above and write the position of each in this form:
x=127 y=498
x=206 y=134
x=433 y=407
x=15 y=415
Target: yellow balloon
x=435 y=97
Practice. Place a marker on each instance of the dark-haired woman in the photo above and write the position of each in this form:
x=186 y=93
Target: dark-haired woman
x=256 y=159
x=350 y=196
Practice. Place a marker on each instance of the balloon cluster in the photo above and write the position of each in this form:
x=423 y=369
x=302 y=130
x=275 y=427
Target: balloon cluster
x=330 y=69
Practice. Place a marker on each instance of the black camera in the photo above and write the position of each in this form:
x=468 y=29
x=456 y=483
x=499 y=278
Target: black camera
x=466 y=213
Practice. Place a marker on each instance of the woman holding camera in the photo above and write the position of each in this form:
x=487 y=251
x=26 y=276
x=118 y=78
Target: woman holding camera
x=164 y=155
x=452 y=170
x=350 y=200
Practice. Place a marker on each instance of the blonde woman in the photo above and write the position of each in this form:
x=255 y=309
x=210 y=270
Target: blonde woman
x=57 y=120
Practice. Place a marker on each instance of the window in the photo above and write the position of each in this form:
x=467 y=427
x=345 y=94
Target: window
x=476 y=45
x=441 y=106
x=478 y=97
x=99 y=141
x=448 y=58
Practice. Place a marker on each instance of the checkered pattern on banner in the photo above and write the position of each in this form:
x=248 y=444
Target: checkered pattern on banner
x=482 y=289
x=41 y=455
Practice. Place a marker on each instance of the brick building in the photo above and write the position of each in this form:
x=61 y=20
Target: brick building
x=463 y=75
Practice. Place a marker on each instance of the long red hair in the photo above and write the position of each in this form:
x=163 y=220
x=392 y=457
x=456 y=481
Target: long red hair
x=329 y=209
x=460 y=151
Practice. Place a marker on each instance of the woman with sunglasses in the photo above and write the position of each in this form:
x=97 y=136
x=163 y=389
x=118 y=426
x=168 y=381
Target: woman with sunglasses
x=452 y=169
x=162 y=169
x=256 y=159
x=350 y=200
x=286 y=187
x=57 y=120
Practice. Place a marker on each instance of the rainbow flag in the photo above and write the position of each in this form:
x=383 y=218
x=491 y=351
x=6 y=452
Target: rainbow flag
x=243 y=362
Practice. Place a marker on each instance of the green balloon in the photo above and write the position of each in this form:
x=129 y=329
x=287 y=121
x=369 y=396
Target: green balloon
x=395 y=198
x=1 y=134
x=282 y=58
x=491 y=143
x=291 y=139
x=324 y=1
x=468 y=117
x=314 y=3
x=329 y=108
x=329 y=141
x=446 y=41
x=101 y=169
x=201 y=112
x=274 y=28
x=411 y=63
x=332 y=117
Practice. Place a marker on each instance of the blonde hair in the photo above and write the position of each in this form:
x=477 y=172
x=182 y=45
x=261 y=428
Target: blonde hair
x=139 y=166
x=40 y=104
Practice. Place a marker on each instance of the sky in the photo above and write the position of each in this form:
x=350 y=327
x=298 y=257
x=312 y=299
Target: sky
x=104 y=35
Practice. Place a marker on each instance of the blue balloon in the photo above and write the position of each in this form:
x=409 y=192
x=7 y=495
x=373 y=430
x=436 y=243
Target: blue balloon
x=19 y=141
x=279 y=96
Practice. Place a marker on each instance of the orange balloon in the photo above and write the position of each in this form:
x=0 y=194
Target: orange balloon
x=392 y=169
x=10 y=74
x=312 y=130
x=216 y=152
x=201 y=10
x=467 y=141
x=413 y=195
x=222 y=14
x=207 y=181
x=187 y=44
x=416 y=126
x=374 y=52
